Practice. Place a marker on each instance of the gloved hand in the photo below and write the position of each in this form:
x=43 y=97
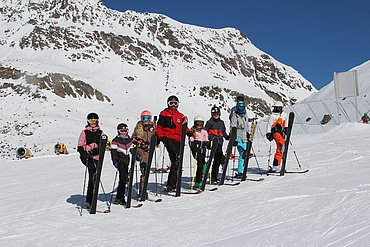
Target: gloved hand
x=227 y=138
x=189 y=133
x=93 y=152
x=235 y=142
x=269 y=136
x=115 y=164
x=285 y=130
x=208 y=145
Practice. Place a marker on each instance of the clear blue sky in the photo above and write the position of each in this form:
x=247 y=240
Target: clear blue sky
x=317 y=38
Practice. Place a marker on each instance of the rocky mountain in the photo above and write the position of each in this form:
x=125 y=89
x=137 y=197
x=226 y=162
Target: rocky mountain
x=63 y=58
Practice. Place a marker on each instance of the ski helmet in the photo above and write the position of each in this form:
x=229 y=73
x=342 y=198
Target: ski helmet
x=278 y=104
x=122 y=127
x=215 y=110
x=199 y=121
x=92 y=118
x=239 y=98
x=173 y=101
x=146 y=115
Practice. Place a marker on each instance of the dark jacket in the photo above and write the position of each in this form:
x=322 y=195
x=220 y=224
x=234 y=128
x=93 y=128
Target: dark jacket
x=216 y=129
x=120 y=149
x=88 y=142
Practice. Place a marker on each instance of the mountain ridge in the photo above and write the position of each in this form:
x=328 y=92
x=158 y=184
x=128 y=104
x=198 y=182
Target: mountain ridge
x=131 y=60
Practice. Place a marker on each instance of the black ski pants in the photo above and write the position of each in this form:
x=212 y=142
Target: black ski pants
x=91 y=164
x=173 y=149
x=123 y=175
x=217 y=160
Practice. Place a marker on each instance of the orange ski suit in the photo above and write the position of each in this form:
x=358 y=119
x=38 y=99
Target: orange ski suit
x=279 y=139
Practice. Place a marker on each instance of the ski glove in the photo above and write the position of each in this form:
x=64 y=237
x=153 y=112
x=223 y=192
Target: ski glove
x=93 y=152
x=269 y=136
x=116 y=164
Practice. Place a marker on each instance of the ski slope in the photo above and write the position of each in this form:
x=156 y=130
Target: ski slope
x=328 y=206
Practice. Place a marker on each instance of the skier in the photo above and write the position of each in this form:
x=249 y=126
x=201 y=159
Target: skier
x=239 y=119
x=169 y=132
x=143 y=131
x=216 y=129
x=365 y=118
x=276 y=130
x=198 y=137
x=120 y=148
x=88 y=147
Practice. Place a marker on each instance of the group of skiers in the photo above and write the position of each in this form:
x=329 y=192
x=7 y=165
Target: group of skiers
x=168 y=130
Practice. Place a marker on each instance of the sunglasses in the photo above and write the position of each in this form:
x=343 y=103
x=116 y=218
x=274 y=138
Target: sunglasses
x=146 y=118
x=173 y=103
x=93 y=121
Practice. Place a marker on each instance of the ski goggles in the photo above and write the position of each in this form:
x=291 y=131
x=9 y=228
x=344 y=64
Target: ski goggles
x=215 y=114
x=146 y=118
x=92 y=121
x=240 y=105
x=123 y=130
x=199 y=123
x=173 y=103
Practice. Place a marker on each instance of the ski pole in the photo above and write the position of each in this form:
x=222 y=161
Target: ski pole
x=114 y=185
x=136 y=184
x=268 y=162
x=105 y=195
x=83 y=191
x=155 y=168
x=162 y=166
x=233 y=170
x=299 y=164
x=255 y=156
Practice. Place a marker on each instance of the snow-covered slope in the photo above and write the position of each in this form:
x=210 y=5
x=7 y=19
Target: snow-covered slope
x=328 y=206
x=323 y=103
x=62 y=59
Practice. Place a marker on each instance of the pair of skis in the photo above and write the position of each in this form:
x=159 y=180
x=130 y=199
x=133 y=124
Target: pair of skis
x=180 y=164
x=102 y=147
x=286 y=147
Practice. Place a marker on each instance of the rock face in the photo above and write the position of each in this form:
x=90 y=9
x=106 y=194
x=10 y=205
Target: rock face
x=79 y=49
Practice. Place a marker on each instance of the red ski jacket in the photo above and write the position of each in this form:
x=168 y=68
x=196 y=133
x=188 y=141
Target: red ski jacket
x=169 y=124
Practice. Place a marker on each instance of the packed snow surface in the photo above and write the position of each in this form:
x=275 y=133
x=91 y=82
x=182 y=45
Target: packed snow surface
x=328 y=206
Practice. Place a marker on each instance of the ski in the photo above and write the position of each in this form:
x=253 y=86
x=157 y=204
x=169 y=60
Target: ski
x=303 y=171
x=255 y=179
x=232 y=184
x=228 y=153
x=287 y=141
x=247 y=152
x=153 y=141
x=161 y=170
x=102 y=147
x=131 y=175
x=209 y=162
x=154 y=200
x=184 y=192
x=181 y=157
